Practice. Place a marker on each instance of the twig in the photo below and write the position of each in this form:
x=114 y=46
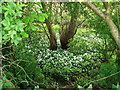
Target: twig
x=46 y=32
x=101 y=78
x=6 y=47
x=12 y=63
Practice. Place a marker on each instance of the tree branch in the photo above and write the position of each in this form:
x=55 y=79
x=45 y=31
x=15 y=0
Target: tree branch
x=94 y=9
x=101 y=78
x=105 y=4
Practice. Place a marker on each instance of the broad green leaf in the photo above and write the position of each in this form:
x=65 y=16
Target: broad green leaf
x=33 y=27
x=28 y=28
x=114 y=86
x=37 y=86
x=11 y=4
x=118 y=86
x=19 y=13
x=5 y=36
x=90 y=87
x=4 y=78
x=12 y=33
x=16 y=39
x=5 y=8
x=45 y=15
x=56 y=27
x=31 y=19
x=26 y=19
x=80 y=87
x=24 y=34
x=38 y=2
x=8 y=84
x=41 y=17
x=6 y=13
x=6 y=22
x=34 y=13
x=7 y=28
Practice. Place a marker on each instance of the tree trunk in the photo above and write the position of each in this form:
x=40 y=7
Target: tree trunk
x=52 y=35
x=52 y=38
x=107 y=17
x=69 y=33
x=114 y=30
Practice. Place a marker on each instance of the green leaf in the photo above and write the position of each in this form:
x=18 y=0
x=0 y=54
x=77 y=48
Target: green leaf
x=12 y=33
x=56 y=27
x=6 y=13
x=45 y=15
x=8 y=84
x=114 y=86
x=16 y=42
x=34 y=13
x=41 y=17
x=18 y=38
x=11 y=4
x=4 y=78
x=80 y=87
x=31 y=19
x=19 y=13
x=26 y=19
x=24 y=34
x=19 y=6
x=5 y=37
x=37 y=86
x=90 y=87
x=1 y=85
x=6 y=22
x=33 y=27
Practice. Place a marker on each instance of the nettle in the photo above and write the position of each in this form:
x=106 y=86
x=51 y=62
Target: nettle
x=61 y=63
x=13 y=27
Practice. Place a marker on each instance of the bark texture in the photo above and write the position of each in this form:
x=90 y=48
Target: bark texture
x=68 y=34
x=52 y=35
x=114 y=30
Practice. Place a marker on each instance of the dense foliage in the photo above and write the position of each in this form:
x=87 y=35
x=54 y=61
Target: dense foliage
x=58 y=45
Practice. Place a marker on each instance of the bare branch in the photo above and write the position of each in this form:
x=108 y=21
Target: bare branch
x=13 y=63
x=6 y=47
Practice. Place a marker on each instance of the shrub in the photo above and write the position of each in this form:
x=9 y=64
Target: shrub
x=106 y=69
x=63 y=64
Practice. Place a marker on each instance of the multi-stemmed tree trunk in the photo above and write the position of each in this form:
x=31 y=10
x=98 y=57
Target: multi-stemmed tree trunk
x=69 y=33
x=65 y=35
